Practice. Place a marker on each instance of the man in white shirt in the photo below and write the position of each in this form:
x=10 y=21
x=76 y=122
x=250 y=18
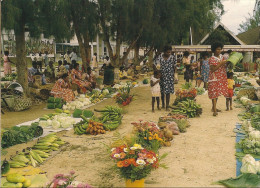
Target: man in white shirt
x=73 y=55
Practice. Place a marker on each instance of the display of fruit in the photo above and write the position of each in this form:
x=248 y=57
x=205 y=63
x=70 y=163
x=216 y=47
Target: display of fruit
x=87 y=113
x=96 y=96
x=38 y=153
x=16 y=180
x=18 y=135
x=171 y=117
x=95 y=128
x=111 y=117
x=145 y=81
x=80 y=128
x=189 y=107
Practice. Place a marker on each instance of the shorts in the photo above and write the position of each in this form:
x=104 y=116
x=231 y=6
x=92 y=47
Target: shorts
x=230 y=93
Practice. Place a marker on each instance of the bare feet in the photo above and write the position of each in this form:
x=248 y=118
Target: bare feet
x=227 y=109
x=217 y=110
x=153 y=110
x=215 y=114
x=231 y=108
x=158 y=108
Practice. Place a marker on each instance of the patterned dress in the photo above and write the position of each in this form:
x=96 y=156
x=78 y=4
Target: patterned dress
x=217 y=80
x=205 y=70
x=61 y=90
x=167 y=70
x=76 y=78
x=156 y=88
x=7 y=66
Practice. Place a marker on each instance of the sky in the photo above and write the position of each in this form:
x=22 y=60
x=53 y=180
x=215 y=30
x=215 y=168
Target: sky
x=235 y=13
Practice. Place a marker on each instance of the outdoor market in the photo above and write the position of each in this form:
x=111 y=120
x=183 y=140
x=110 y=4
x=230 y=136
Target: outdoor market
x=130 y=93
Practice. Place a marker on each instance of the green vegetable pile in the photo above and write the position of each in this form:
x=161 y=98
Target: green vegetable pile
x=189 y=108
x=9 y=77
x=200 y=90
x=86 y=113
x=53 y=103
x=18 y=135
x=145 y=81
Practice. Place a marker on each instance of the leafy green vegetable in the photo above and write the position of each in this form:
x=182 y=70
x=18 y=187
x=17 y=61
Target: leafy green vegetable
x=244 y=180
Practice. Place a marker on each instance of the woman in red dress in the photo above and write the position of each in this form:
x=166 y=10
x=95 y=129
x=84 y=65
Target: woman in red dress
x=217 y=85
x=77 y=78
x=61 y=89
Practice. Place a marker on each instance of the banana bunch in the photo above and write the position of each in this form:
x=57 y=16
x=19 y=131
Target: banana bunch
x=189 y=107
x=39 y=152
x=111 y=117
x=246 y=115
x=80 y=128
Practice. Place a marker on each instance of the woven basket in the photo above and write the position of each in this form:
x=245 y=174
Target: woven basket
x=22 y=103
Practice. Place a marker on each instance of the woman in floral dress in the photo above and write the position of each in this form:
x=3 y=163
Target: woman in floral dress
x=205 y=70
x=77 y=78
x=61 y=89
x=217 y=85
x=167 y=66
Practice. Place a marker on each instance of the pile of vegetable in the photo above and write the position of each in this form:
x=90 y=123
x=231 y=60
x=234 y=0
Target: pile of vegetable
x=145 y=81
x=255 y=120
x=16 y=180
x=9 y=77
x=251 y=143
x=244 y=100
x=5 y=167
x=186 y=86
x=96 y=96
x=185 y=94
x=123 y=97
x=53 y=103
x=200 y=90
x=111 y=117
x=18 y=135
x=180 y=120
x=38 y=153
x=79 y=103
x=86 y=113
x=57 y=120
x=189 y=108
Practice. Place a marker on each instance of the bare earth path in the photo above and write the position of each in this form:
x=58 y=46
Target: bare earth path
x=206 y=153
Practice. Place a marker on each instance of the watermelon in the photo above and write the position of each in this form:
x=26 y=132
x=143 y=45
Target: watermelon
x=145 y=81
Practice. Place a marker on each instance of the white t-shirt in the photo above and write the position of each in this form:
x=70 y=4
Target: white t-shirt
x=73 y=56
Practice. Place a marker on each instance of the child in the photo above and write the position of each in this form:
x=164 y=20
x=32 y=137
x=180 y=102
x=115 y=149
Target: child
x=7 y=64
x=155 y=88
x=231 y=86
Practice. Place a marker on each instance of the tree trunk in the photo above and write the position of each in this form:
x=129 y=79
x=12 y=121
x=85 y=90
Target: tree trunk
x=136 y=53
x=21 y=64
x=118 y=45
x=150 y=58
x=87 y=49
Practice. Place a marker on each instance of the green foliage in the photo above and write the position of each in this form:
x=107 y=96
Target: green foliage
x=251 y=22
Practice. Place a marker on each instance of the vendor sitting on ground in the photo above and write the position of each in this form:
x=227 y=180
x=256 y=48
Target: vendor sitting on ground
x=102 y=69
x=50 y=72
x=61 y=69
x=77 y=78
x=32 y=72
x=122 y=73
x=61 y=89
x=91 y=78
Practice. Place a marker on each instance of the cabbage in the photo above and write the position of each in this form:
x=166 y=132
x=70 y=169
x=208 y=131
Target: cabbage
x=49 y=122
x=248 y=165
x=105 y=92
x=55 y=124
x=43 y=123
x=254 y=135
x=65 y=107
x=81 y=96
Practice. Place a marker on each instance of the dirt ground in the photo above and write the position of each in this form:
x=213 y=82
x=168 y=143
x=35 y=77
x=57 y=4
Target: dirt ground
x=205 y=154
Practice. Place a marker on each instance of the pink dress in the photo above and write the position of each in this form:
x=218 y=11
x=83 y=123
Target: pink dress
x=76 y=77
x=7 y=66
x=217 y=84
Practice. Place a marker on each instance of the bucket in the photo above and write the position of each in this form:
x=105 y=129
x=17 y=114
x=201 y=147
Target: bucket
x=235 y=58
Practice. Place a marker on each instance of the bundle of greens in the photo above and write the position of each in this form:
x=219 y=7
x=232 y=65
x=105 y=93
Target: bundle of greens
x=53 y=103
x=250 y=144
x=18 y=135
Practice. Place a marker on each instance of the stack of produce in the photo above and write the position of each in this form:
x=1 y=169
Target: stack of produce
x=181 y=121
x=53 y=103
x=255 y=120
x=79 y=103
x=9 y=77
x=251 y=143
x=18 y=135
x=244 y=100
x=189 y=108
x=96 y=96
x=200 y=90
x=145 y=81
x=111 y=117
x=89 y=127
x=16 y=180
x=185 y=94
x=86 y=113
x=39 y=152
x=57 y=120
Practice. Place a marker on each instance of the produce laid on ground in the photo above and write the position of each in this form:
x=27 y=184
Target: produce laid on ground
x=9 y=77
x=57 y=120
x=53 y=103
x=16 y=180
x=79 y=103
x=18 y=135
x=89 y=127
x=189 y=108
x=111 y=117
x=145 y=81
x=38 y=153
x=86 y=113
x=180 y=120
x=248 y=92
x=5 y=166
x=200 y=90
